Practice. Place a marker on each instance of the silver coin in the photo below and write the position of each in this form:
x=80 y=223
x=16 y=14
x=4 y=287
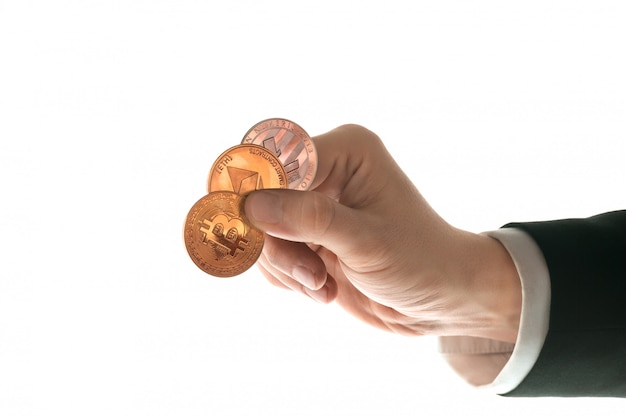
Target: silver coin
x=293 y=147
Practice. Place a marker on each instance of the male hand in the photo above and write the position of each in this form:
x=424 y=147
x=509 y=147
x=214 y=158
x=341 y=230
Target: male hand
x=366 y=238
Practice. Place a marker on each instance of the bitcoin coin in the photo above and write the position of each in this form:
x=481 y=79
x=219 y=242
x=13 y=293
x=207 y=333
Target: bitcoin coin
x=293 y=147
x=219 y=238
x=244 y=168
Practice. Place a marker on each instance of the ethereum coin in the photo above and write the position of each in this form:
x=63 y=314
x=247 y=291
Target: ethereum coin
x=245 y=168
x=218 y=237
x=293 y=147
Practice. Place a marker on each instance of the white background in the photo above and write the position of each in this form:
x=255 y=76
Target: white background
x=112 y=112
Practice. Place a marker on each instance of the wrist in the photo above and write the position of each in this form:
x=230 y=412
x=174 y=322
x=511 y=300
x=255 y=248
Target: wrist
x=489 y=301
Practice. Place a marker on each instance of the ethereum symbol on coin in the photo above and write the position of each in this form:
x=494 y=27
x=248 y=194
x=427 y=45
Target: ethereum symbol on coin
x=244 y=180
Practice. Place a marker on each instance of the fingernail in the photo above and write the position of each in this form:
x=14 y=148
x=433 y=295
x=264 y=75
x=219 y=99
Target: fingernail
x=320 y=295
x=264 y=207
x=305 y=276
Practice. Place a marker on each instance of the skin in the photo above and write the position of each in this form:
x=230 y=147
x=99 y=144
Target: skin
x=364 y=237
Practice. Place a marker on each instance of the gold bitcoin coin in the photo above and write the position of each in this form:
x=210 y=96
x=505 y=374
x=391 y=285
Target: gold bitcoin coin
x=293 y=147
x=245 y=168
x=219 y=238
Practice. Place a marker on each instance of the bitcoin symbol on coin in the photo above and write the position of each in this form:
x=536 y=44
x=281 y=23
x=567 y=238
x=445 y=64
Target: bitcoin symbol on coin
x=218 y=237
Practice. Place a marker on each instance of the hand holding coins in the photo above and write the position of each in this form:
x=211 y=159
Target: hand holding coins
x=366 y=238
x=274 y=153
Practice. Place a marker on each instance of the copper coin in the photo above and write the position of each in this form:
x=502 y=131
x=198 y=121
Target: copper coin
x=292 y=145
x=245 y=168
x=218 y=236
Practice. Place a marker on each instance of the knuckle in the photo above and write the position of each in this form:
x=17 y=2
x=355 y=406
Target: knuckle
x=360 y=133
x=321 y=215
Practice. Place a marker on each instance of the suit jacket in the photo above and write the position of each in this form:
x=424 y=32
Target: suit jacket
x=584 y=353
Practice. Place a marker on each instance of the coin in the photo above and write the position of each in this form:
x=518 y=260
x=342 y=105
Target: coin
x=293 y=147
x=245 y=168
x=219 y=238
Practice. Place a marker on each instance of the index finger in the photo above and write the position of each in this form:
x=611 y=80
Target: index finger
x=350 y=155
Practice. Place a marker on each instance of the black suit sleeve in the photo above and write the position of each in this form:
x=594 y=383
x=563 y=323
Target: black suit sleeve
x=584 y=354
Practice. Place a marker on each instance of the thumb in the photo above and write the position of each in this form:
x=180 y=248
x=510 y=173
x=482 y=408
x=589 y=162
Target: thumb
x=305 y=216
